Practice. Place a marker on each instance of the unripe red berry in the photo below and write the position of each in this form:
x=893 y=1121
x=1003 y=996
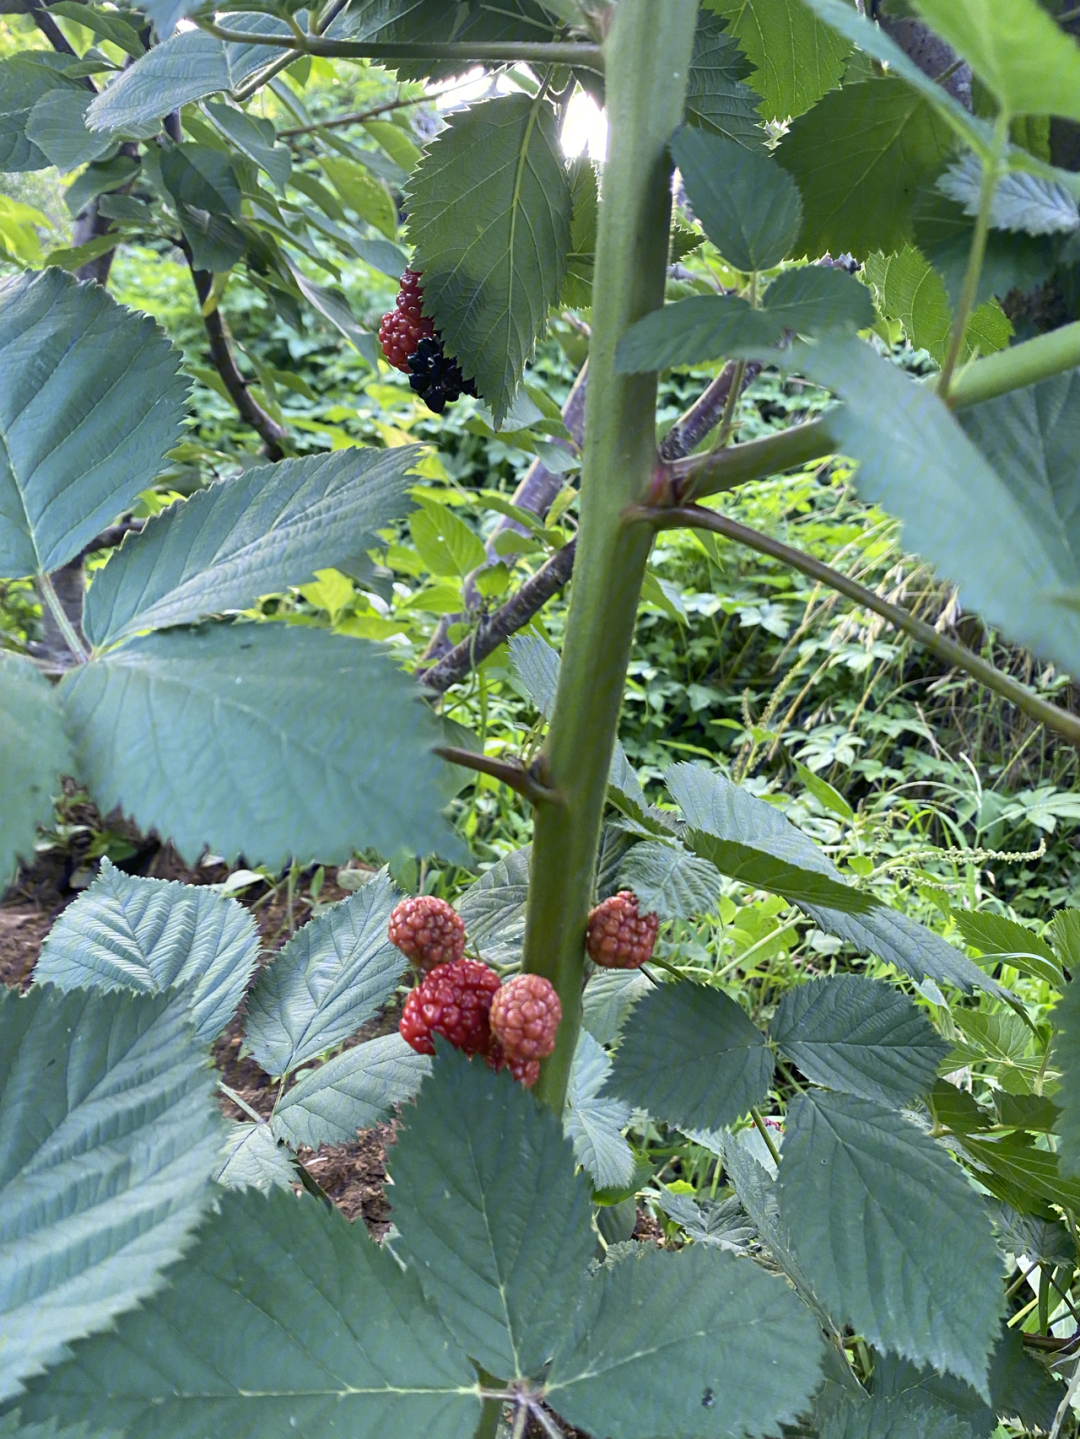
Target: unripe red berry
x=618 y=937
x=525 y=1016
x=454 y=1001
x=404 y=326
x=525 y=1071
x=428 y=931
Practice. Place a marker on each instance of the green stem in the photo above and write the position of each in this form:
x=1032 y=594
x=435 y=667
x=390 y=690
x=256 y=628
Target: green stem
x=647 y=63
x=63 y=624
x=500 y=52
x=490 y=1409
x=998 y=374
x=1033 y=705
x=990 y=173
x=763 y=1129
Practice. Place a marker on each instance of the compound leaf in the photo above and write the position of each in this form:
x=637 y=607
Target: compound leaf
x=796 y=58
x=272 y=527
x=34 y=753
x=664 y=1340
x=150 y=935
x=859 y=157
x=1029 y=63
x=691 y=1057
x=750 y=840
x=747 y=204
x=670 y=882
x=182 y=729
x=814 y=299
x=357 y=1088
x=489 y=215
x=858 y=1035
x=508 y=1269
x=334 y=974
x=80 y=439
x=894 y=1238
x=108 y=1138
x=594 y=1125
x=285 y=1322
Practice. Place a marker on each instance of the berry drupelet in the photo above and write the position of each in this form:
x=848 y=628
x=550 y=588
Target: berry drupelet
x=617 y=936
x=411 y=344
x=525 y=1017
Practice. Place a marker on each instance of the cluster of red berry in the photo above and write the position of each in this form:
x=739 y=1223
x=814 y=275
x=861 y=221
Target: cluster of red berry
x=513 y=1025
x=410 y=342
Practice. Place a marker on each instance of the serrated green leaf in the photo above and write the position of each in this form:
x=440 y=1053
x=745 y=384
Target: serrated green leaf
x=108 y=1137
x=894 y=1239
x=716 y=98
x=997 y=937
x=796 y=59
x=1016 y=49
x=253 y=1159
x=446 y=544
x=508 y=1269
x=723 y=1223
x=747 y=205
x=217 y=244
x=202 y=177
x=393 y=139
x=188 y=66
x=150 y=935
x=57 y=127
x=693 y=331
x=34 y=753
x=24 y=81
x=271 y=527
x=594 y=1125
x=1021 y=1173
x=858 y=1035
x=664 y=1341
x=1028 y=203
x=357 y=1088
x=910 y=946
x=691 y=1057
x=1004 y=534
x=670 y=882
x=813 y=299
x=433 y=21
x=11 y=1428
x=752 y=841
x=608 y=998
x=284 y=1322
x=105 y=23
x=332 y=976
x=908 y=289
x=97 y=179
x=581 y=261
x=81 y=439
x=182 y=729
x=1011 y=262
x=489 y=216
x=255 y=138
x=907 y=1416
x=494 y=907
x=859 y=158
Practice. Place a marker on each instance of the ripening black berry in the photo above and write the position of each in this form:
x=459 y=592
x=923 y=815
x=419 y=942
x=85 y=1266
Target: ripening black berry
x=411 y=344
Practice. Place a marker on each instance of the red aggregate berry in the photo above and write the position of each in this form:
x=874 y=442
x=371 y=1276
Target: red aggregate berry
x=618 y=937
x=525 y=1016
x=453 y=1000
x=525 y=1071
x=427 y=931
x=404 y=326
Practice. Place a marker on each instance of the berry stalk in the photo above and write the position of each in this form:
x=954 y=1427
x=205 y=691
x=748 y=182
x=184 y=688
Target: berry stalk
x=646 y=67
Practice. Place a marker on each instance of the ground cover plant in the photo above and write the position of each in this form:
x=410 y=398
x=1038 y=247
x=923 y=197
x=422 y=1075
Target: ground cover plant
x=863 y=1176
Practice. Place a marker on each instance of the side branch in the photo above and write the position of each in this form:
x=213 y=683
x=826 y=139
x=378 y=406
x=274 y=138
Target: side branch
x=953 y=653
x=468 y=53
x=511 y=773
x=507 y=620
x=691 y=427
x=221 y=357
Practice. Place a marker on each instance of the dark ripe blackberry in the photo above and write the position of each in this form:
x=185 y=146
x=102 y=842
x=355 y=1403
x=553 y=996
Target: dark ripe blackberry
x=436 y=378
